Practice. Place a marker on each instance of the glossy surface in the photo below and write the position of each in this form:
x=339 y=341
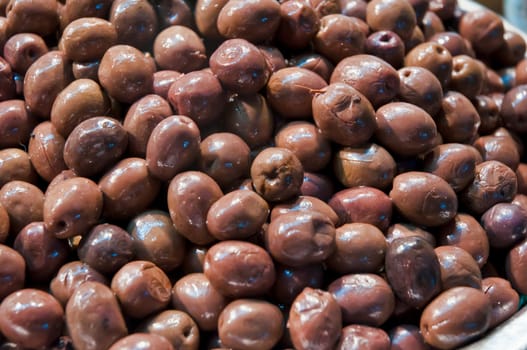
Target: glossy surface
x=240 y=66
x=504 y=299
x=314 y=320
x=458 y=268
x=72 y=207
x=183 y=43
x=344 y=115
x=46 y=148
x=239 y=269
x=289 y=91
x=405 y=129
x=31 y=318
x=43 y=252
x=198 y=95
x=453 y=162
x=126 y=73
x=420 y=87
x=141 y=119
x=175 y=326
x=395 y=15
x=309 y=145
x=305 y=203
x=465 y=231
x=80 y=100
x=15 y=164
x=458 y=121
x=505 y=224
x=446 y=324
x=493 y=183
x=413 y=270
x=70 y=276
x=190 y=220
x=135 y=22
x=141 y=341
x=237 y=215
x=424 y=199
x=12 y=270
x=250 y=323
x=141 y=288
x=360 y=248
x=299 y=238
x=355 y=337
x=23 y=202
x=371 y=76
x=94 y=145
x=128 y=189
x=155 y=239
x=328 y=39
x=21 y=50
x=254 y=20
x=43 y=81
x=290 y=281
x=106 y=248
x=434 y=57
x=225 y=157
x=277 y=174
x=86 y=39
x=370 y=165
x=89 y=303
x=172 y=147
x=364 y=298
x=195 y=295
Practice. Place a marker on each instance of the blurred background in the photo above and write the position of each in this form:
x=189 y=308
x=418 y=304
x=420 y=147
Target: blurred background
x=515 y=11
x=496 y=5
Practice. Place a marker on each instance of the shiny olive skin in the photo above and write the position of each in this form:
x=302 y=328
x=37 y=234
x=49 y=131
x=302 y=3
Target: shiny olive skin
x=190 y=220
x=106 y=248
x=43 y=252
x=423 y=198
x=239 y=269
x=44 y=80
x=23 y=203
x=46 y=149
x=142 y=288
x=21 y=50
x=25 y=16
x=413 y=270
x=364 y=298
x=135 y=22
x=70 y=276
x=176 y=326
x=141 y=340
x=12 y=270
x=300 y=237
x=80 y=100
x=172 y=147
x=94 y=145
x=128 y=189
x=31 y=318
x=126 y=73
x=86 y=39
x=237 y=215
x=195 y=295
x=72 y=207
x=264 y=318
x=89 y=303
x=156 y=239
x=455 y=317
x=141 y=118
x=315 y=320
x=15 y=164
